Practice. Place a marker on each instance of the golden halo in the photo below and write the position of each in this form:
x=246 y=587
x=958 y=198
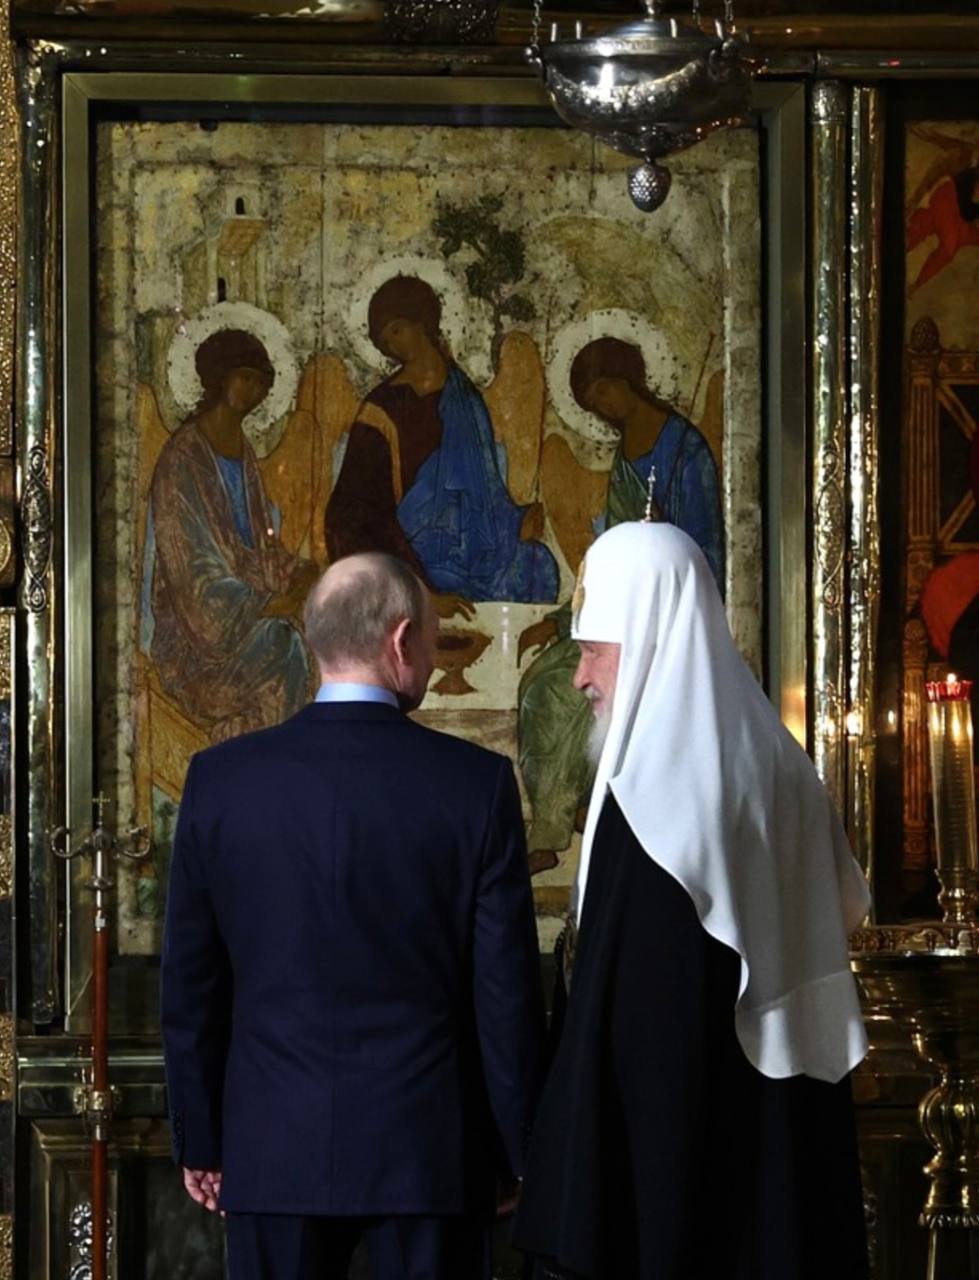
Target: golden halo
x=463 y=323
x=663 y=369
x=262 y=427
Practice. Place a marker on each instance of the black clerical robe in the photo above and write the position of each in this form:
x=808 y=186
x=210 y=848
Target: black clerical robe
x=659 y=1152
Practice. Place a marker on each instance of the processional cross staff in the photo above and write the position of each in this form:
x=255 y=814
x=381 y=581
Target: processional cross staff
x=95 y=1098
x=653 y=513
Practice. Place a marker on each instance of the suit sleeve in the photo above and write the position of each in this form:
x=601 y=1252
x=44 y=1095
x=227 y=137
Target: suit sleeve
x=506 y=973
x=195 y=998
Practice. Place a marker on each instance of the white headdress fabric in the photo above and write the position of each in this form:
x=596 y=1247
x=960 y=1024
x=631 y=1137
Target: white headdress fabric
x=719 y=794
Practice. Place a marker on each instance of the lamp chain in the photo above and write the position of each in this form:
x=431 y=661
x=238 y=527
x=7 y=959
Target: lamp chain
x=535 y=30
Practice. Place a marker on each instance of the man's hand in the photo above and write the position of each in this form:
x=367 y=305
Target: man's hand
x=204 y=1187
x=542 y=860
x=507 y=1198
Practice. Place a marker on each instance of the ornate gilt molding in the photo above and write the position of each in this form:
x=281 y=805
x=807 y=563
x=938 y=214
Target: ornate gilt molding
x=38 y=83
x=6 y=857
x=37 y=314
x=865 y=217
x=37 y=414
x=6 y=655
x=80 y=1239
x=916 y=939
x=440 y=21
x=36 y=520
x=29 y=14
x=7 y=1074
x=6 y=765
x=9 y=185
x=8 y=484
x=830 y=527
x=829 y=127
x=837 y=25
x=6 y=1247
x=6 y=547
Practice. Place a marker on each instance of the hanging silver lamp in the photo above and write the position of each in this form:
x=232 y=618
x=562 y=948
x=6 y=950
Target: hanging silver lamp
x=648 y=88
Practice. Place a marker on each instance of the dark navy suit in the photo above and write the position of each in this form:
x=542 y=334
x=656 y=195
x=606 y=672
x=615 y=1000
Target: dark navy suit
x=351 y=1001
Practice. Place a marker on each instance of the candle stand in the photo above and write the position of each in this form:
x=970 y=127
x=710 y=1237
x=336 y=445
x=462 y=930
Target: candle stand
x=95 y=1098
x=926 y=977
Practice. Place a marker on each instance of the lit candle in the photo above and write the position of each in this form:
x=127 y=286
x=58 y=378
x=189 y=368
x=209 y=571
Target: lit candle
x=954 y=795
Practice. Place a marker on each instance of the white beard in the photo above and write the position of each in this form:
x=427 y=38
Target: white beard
x=597 y=735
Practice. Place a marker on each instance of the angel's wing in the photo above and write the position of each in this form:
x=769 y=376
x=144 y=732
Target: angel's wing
x=515 y=400
x=288 y=475
x=298 y=474
x=574 y=497
x=327 y=392
x=712 y=418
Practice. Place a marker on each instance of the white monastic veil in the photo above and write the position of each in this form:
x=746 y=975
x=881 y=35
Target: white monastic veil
x=719 y=794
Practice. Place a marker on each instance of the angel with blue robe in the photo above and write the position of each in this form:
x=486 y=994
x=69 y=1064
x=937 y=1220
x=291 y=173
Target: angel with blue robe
x=422 y=476
x=608 y=378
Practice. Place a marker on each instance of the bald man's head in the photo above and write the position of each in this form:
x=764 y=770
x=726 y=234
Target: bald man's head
x=357 y=605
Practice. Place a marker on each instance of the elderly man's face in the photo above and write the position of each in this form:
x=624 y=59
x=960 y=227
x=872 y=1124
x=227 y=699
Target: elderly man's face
x=598 y=668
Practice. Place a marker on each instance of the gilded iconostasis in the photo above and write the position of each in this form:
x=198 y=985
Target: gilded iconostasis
x=929 y=477
x=430 y=321
x=941 y=444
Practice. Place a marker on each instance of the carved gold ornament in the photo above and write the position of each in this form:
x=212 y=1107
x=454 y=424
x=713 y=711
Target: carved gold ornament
x=6 y=857
x=6 y=1058
x=9 y=161
x=6 y=1247
x=6 y=546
